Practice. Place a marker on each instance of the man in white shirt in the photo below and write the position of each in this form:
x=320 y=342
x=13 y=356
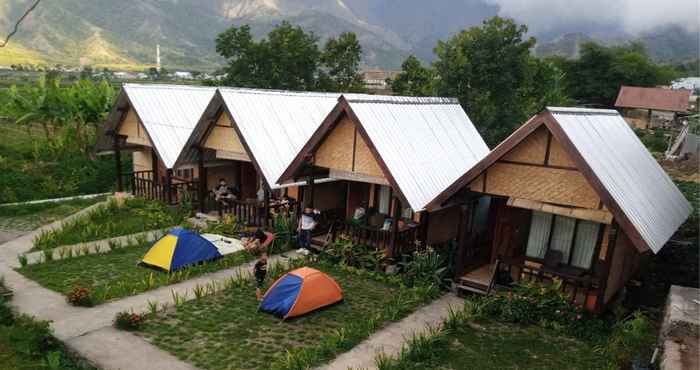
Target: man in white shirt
x=307 y=223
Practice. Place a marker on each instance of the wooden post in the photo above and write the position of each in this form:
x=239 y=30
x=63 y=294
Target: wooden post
x=118 y=162
x=605 y=270
x=395 y=226
x=424 y=220
x=649 y=119
x=202 y=186
x=266 y=207
x=463 y=234
x=169 y=185
x=312 y=180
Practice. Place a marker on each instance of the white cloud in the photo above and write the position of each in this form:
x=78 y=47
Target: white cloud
x=632 y=16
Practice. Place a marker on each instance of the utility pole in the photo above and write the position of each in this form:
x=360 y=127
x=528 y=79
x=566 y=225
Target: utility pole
x=158 y=58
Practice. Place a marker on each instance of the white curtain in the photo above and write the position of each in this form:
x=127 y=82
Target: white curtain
x=586 y=239
x=539 y=234
x=563 y=236
x=384 y=199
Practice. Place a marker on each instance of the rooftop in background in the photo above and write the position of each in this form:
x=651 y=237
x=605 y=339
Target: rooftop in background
x=653 y=98
x=688 y=83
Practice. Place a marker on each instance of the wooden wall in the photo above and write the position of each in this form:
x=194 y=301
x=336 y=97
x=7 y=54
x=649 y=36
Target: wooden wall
x=224 y=139
x=624 y=265
x=538 y=169
x=443 y=225
x=345 y=150
x=133 y=130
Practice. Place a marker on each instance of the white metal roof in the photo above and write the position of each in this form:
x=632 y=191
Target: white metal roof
x=276 y=124
x=634 y=179
x=169 y=113
x=426 y=143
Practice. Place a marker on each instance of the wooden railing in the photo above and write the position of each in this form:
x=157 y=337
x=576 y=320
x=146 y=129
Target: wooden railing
x=403 y=241
x=252 y=212
x=579 y=289
x=144 y=184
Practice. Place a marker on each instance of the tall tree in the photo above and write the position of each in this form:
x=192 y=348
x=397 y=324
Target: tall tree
x=595 y=78
x=486 y=67
x=286 y=59
x=414 y=79
x=340 y=64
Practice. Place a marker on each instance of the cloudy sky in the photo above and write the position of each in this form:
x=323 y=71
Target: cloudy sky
x=632 y=16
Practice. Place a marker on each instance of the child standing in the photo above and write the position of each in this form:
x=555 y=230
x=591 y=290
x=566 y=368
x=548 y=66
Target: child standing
x=260 y=272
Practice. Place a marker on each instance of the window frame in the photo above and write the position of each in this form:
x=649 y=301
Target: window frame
x=572 y=246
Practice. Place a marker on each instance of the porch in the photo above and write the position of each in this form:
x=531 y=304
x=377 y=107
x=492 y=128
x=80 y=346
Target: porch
x=503 y=244
x=169 y=189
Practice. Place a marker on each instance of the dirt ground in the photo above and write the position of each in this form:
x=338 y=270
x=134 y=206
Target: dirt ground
x=684 y=170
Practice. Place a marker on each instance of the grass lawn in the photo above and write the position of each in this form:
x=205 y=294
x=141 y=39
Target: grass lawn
x=133 y=216
x=115 y=274
x=225 y=331
x=493 y=345
x=31 y=216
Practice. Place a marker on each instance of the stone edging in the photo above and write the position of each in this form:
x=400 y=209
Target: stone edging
x=92 y=247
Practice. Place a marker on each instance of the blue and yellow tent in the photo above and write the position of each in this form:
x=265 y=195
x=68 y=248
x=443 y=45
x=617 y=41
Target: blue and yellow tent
x=179 y=248
x=301 y=291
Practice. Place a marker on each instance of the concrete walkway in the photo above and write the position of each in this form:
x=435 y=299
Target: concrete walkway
x=391 y=339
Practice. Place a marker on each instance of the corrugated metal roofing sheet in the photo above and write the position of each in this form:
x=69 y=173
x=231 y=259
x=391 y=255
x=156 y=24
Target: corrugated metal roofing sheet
x=653 y=98
x=426 y=143
x=169 y=113
x=276 y=124
x=634 y=179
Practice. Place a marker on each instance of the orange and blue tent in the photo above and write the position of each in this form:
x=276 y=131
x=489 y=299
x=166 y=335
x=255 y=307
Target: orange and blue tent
x=178 y=249
x=299 y=292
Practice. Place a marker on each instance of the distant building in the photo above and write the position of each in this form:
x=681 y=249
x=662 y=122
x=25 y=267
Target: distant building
x=180 y=75
x=375 y=80
x=649 y=107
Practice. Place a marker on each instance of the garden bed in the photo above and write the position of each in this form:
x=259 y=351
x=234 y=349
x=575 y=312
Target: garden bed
x=225 y=330
x=111 y=220
x=27 y=217
x=115 y=274
x=493 y=345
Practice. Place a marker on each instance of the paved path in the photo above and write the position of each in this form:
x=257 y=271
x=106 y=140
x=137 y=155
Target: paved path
x=391 y=339
x=88 y=331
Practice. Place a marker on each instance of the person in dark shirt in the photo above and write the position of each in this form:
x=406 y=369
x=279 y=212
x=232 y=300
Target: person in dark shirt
x=260 y=272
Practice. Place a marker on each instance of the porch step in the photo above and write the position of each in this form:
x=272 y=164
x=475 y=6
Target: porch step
x=473 y=284
x=471 y=289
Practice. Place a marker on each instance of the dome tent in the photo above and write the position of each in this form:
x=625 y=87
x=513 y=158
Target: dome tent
x=178 y=249
x=299 y=292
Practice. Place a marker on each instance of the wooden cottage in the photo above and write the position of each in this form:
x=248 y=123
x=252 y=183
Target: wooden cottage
x=571 y=195
x=248 y=137
x=153 y=122
x=392 y=155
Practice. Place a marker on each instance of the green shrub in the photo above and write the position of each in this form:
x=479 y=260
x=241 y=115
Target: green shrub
x=630 y=338
x=424 y=267
x=344 y=252
x=285 y=229
x=30 y=337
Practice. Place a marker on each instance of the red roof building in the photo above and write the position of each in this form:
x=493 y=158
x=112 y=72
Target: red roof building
x=653 y=98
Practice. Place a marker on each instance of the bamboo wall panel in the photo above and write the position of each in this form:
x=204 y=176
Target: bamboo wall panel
x=223 y=137
x=478 y=184
x=531 y=150
x=133 y=130
x=558 y=157
x=364 y=159
x=550 y=185
x=336 y=150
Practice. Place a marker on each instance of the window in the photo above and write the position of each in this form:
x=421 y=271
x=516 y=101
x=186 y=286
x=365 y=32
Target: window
x=384 y=199
x=575 y=239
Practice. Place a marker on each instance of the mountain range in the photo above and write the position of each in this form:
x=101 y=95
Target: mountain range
x=123 y=34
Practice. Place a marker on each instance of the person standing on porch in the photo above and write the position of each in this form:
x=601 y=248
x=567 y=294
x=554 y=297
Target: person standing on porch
x=307 y=223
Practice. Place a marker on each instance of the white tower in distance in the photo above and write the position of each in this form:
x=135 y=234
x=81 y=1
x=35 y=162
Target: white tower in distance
x=158 y=57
